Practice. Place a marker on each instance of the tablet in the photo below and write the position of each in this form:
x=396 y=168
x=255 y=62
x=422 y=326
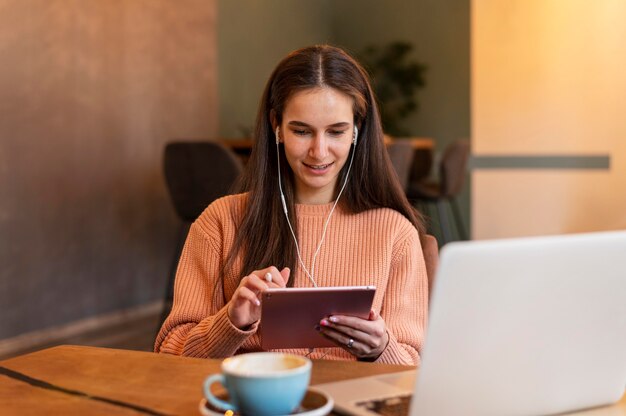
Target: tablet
x=289 y=315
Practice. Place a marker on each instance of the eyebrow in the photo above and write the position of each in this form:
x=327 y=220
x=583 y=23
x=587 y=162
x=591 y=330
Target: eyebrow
x=303 y=124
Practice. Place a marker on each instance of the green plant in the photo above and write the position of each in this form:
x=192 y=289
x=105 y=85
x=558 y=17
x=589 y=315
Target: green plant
x=395 y=79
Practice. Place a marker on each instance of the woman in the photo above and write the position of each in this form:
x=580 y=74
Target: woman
x=322 y=207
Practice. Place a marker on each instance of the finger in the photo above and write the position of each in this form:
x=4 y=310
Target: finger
x=375 y=327
x=339 y=335
x=274 y=277
x=346 y=331
x=284 y=274
x=271 y=276
x=373 y=315
x=254 y=282
x=370 y=333
x=247 y=295
x=353 y=345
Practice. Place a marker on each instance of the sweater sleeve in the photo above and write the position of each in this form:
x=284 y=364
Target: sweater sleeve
x=405 y=306
x=198 y=325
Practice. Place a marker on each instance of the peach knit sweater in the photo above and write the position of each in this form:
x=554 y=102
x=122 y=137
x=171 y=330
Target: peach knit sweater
x=377 y=247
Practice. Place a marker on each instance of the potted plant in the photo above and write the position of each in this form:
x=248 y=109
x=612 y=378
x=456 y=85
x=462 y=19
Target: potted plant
x=395 y=79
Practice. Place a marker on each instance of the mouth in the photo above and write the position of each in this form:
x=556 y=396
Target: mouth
x=318 y=167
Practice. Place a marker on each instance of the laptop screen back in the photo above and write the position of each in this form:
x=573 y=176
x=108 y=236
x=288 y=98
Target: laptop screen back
x=526 y=326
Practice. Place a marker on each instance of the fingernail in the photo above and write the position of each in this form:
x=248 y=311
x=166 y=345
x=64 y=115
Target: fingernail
x=257 y=302
x=324 y=322
x=333 y=319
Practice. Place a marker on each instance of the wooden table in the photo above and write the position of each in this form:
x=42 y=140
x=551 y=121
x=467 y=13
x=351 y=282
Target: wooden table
x=73 y=380
x=155 y=383
x=425 y=143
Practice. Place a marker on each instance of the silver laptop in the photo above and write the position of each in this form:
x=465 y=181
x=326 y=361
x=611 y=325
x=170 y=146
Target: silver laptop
x=528 y=326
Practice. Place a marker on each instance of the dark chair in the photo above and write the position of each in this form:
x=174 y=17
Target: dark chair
x=196 y=173
x=411 y=157
x=452 y=173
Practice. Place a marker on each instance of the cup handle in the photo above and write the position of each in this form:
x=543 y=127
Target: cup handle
x=220 y=404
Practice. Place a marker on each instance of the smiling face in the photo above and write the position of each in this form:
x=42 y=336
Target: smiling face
x=317 y=130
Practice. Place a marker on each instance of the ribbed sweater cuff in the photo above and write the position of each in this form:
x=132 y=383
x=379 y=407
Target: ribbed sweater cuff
x=395 y=354
x=231 y=337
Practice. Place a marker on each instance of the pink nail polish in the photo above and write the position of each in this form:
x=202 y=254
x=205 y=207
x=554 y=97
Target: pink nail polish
x=324 y=322
x=333 y=319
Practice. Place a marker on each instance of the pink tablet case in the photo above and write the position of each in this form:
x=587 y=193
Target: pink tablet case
x=289 y=316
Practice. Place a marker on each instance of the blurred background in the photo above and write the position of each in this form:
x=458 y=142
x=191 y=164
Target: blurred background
x=92 y=90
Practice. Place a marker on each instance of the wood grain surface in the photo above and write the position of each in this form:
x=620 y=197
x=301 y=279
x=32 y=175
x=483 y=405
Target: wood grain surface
x=78 y=380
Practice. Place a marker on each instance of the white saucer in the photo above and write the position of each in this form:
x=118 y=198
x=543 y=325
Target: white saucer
x=315 y=403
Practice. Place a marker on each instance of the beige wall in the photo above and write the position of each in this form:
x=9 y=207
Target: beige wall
x=90 y=90
x=548 y=78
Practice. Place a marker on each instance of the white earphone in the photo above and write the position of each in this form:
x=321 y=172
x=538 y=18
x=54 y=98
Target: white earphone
x=280 y=184
x=284 y=203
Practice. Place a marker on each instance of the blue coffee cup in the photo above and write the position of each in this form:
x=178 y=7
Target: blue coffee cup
x=261 y=383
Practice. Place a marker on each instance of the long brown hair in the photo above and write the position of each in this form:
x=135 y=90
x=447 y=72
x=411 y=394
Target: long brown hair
x=263 y=238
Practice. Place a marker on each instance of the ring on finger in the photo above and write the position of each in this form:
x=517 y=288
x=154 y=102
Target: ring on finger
x=268 y=277
x=350 y=343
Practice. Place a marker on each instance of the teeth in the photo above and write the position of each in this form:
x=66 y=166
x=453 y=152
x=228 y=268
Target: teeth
x=319 y=167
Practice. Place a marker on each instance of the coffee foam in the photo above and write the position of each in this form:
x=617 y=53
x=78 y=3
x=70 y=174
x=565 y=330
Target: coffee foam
x=262 y=364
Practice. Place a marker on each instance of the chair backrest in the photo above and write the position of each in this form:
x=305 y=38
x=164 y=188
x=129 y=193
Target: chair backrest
x=197 y=173
x=430 y=249
x=401 y=155
x=453 y=167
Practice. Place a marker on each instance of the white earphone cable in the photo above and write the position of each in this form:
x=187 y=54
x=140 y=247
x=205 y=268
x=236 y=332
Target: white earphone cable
x=311 y=274
x=319 y=246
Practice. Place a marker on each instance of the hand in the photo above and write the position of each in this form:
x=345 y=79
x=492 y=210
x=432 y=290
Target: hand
x=244 y=307
x=364 y=338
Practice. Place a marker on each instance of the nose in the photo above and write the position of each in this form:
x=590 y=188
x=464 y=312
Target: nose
x=319 y=147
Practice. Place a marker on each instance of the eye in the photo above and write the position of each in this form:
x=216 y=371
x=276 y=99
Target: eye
x=300 y=132
x=336 y=133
